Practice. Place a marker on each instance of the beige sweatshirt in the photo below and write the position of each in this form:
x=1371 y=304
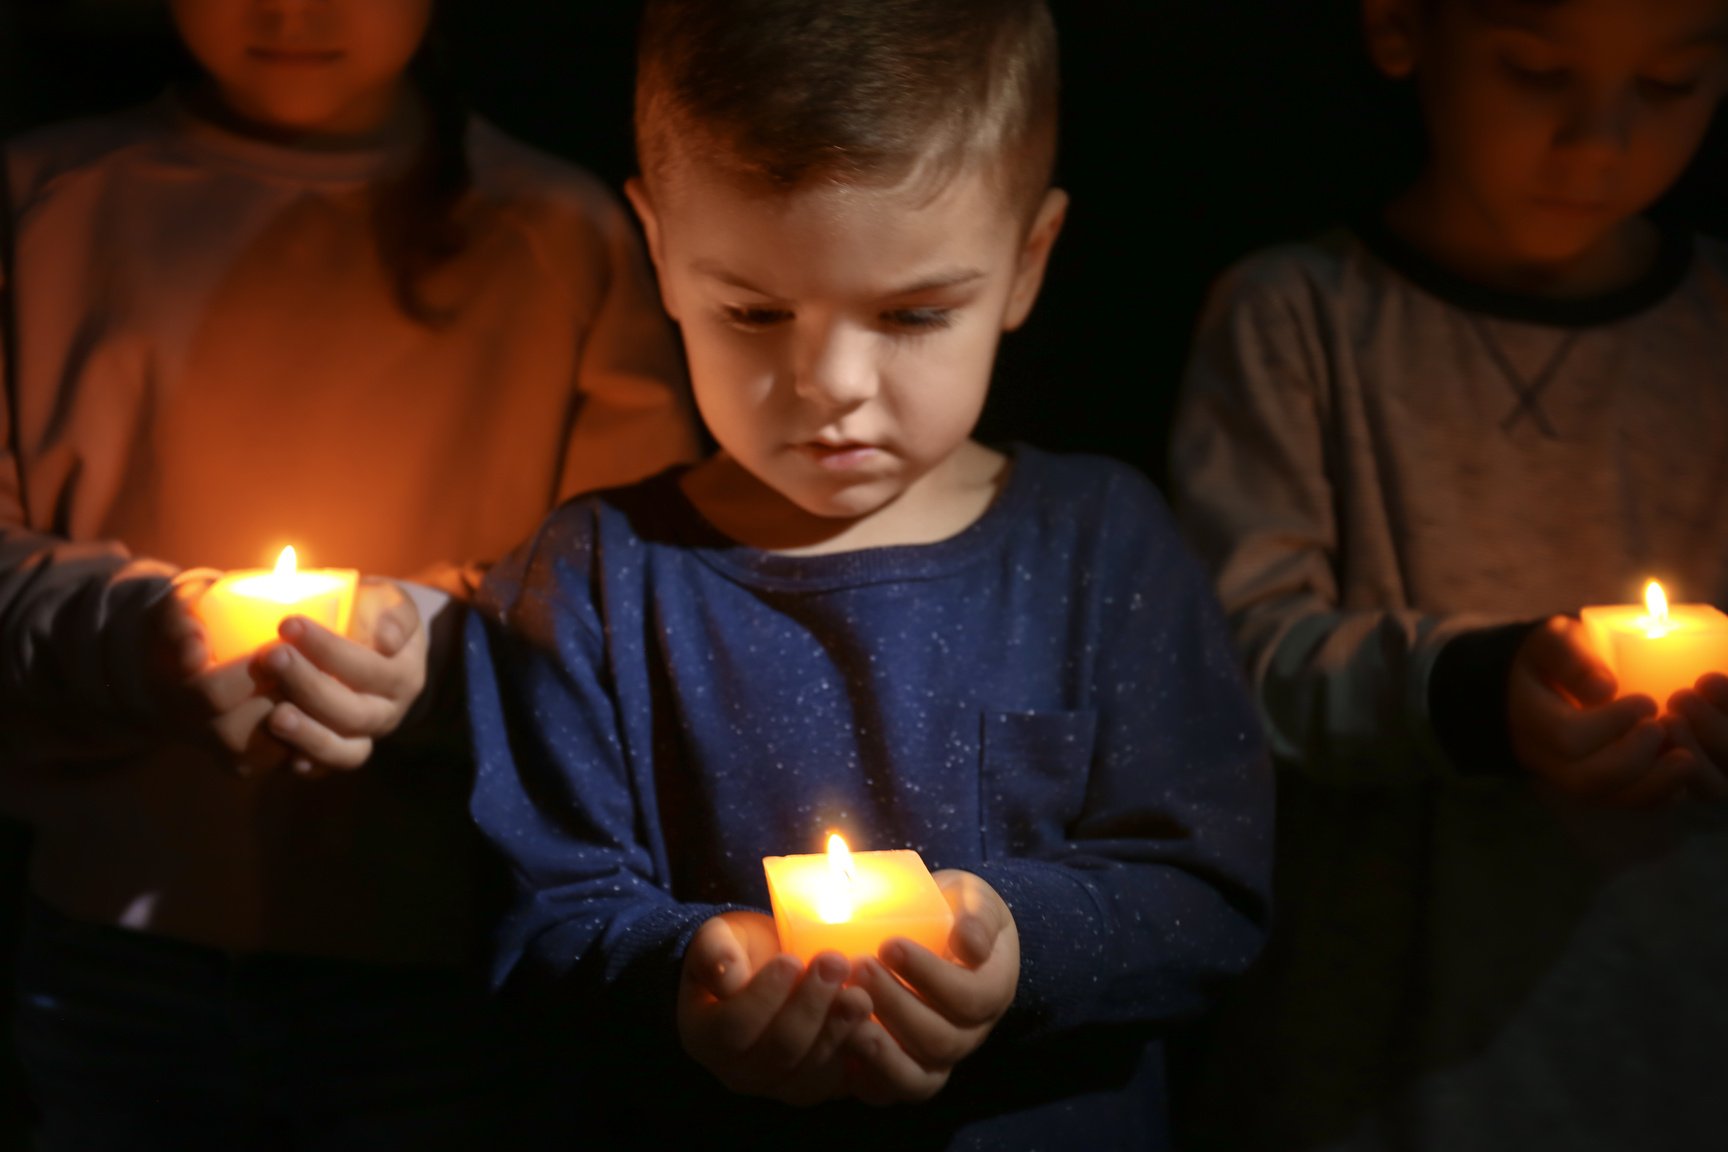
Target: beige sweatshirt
x=210 y=365
x=1376 y=460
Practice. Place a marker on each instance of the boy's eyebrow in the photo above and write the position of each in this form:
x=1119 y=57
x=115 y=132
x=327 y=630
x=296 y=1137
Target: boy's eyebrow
x=953 y=278
x=1526 y=16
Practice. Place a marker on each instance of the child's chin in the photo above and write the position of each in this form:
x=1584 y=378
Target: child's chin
x=1562 y=241
x=853 y=503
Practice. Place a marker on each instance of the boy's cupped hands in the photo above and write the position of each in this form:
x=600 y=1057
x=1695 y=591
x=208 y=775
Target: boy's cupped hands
x=888 y=1029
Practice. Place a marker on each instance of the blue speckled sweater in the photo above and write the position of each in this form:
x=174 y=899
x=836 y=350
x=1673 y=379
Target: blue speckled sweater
x=1048 y=699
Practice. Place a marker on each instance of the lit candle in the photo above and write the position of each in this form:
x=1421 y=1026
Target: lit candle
x=1659 y=649
x=850 y=902
x=242 y=610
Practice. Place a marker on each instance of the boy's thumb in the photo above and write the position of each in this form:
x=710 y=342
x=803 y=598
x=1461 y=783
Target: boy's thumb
x=972 y=941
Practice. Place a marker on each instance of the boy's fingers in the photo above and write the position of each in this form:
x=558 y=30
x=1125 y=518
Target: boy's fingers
x=736 y=1023
x=920 y=1028
x=849 y=1009
x=386 y=619
x=223 y=687
x=1705 y=780
x=325 y=698
x=1560 y=655
x=715 y=964
x=789 y=1038
x=1704 y=723
x=1619 y=765
x=1713 y=686
x=1666 y=781
x=318 y=744
x=241 y=734
x=358 y=667
x=953 y=991
x=1581 y=733
x=886 y=1074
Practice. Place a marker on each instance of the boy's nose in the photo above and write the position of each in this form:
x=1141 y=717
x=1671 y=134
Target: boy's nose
x=281 y=16
x=1599 y=122
x=837 y=367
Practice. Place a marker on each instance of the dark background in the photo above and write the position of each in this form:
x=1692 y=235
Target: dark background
x=1193 y=131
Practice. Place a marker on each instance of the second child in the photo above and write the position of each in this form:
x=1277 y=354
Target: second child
x=1411 y=451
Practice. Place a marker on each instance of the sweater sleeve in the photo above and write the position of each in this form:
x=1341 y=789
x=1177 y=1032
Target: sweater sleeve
x=70 y=613
x=1162 y=888
x=557 y=794
x=1343 y=684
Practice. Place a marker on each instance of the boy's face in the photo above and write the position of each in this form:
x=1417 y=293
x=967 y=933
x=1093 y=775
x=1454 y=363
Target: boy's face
x=314 y=67
x=1551 y=123
x=840 y=338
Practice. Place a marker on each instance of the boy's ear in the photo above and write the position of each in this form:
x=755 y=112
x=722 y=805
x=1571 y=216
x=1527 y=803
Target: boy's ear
x=1391 y=29
x=637 y=193
x=1035 y=257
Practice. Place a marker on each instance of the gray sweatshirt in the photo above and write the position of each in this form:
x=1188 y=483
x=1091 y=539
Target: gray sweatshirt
x=1377 y=460
x=210 y=365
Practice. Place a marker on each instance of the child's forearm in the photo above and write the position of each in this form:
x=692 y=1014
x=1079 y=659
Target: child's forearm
x=71 y=637
x=1345 y=695
x=1111 y=942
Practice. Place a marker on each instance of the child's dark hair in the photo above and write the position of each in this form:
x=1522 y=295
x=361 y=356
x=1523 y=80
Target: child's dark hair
x=778 y=93
x=416 y=217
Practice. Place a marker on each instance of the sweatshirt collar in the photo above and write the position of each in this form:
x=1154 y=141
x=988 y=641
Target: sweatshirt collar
x=1673 y=261
x=280 y=162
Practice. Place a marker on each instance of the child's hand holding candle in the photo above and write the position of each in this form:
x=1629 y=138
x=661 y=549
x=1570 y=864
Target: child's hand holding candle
x=930 y=1012
x=340 y=694
x=1567 y=726
x=213 y=705
x=242 y=611
x=761 y=1021
x=1699 y=725
x=1657 y=649
x=353 y=664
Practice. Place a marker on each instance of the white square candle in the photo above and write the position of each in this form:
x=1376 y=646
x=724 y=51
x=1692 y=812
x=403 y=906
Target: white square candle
x=242 y=610
x=853 y=902
x=1658 y=649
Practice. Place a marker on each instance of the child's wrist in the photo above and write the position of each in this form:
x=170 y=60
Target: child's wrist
x=1468 y=694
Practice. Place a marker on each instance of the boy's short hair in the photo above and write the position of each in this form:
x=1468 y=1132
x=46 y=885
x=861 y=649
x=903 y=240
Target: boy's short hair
x=781 y=93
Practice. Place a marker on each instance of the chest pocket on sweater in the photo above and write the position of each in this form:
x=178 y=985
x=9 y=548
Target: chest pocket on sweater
x=1034 y=778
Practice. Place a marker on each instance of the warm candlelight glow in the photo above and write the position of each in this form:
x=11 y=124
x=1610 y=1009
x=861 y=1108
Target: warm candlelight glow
x=850 y=902
x=1657 y=649
x=1656 y=607
x=242 y=611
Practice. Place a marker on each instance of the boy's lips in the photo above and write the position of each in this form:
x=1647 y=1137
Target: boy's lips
x=1573 y=207
x=295 y=56
x=838 y=455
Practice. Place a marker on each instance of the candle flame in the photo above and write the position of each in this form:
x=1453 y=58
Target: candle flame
x=840 y=856
x=1656 y=603
x=834 y=903
x=286 y=562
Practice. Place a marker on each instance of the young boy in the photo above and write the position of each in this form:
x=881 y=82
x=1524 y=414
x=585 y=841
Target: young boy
x=853 y=616
x=1410 y=452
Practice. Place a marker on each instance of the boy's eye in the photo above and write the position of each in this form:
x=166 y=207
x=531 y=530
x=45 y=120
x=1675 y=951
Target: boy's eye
x=1536 y=77
x=918 y=319
x=752 y=318
x=1664 y=90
